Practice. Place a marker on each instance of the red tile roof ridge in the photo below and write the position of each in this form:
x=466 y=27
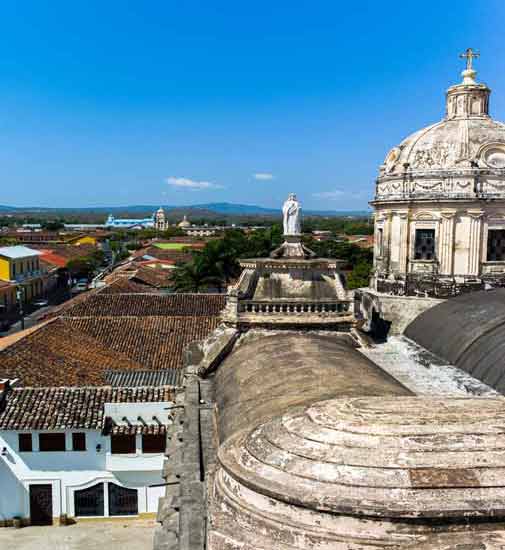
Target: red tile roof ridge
x=11 y=339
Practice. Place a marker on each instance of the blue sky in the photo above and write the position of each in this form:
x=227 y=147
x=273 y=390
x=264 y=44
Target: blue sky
x=178 y=102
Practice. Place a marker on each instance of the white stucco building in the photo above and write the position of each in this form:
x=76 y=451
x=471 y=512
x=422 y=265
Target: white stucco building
x=440 y=200
x=81 y=452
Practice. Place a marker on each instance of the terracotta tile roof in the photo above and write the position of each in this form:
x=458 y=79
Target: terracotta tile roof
x=70 y=407
x=56 y=354
x=57 y=311
x=8 y=340
x=52 y=258
x=66 y=251
x=100 y=304
x=183 y=255
x=151 y=276
x=125 y=285
x=98 y=331
x=154 y=342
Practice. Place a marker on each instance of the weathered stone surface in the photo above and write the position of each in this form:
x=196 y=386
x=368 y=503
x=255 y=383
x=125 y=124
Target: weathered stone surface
x=387 y=457
x=269 y=372
x=398 y=311
x=422 y=372
x=362 y=473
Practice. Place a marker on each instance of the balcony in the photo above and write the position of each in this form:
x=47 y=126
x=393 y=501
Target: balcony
x=27 y=275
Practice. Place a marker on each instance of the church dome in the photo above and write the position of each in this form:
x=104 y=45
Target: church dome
x=465 y=144
x=184 y=222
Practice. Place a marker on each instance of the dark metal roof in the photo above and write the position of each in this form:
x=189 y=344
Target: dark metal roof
x=467 y=331
x=135 y=378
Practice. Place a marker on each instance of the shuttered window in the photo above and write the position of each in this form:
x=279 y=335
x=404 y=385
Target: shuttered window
x=424 y=248
x=154 y=443
x=496 y=245
x=25 y=443
x=52 y=442
x=79 y=441
x=123 y=444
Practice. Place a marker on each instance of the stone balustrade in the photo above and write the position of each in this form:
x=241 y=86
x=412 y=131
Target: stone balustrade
x=293 y=308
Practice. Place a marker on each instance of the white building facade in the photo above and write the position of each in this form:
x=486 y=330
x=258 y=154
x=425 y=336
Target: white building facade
x=440 y=201
x=111 y=468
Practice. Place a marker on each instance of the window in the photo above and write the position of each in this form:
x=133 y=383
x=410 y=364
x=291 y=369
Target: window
x=25 y=443
x=496 y=245
x=79 y=442
x=52 y=442
x=122 y=501
x=123 y=444
x=380 y=240
x=154 y=443
x=424 y=244
x=89 y=502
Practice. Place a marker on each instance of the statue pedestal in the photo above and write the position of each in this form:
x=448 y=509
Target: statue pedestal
x=292 y=247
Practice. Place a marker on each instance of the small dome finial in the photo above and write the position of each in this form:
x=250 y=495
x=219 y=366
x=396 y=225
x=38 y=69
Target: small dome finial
x=469 y=73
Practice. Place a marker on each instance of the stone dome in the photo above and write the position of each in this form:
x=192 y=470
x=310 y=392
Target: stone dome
x=451 y=144
x=184 y=222
x=367 y=472
x=466 y=144
x=396 y=457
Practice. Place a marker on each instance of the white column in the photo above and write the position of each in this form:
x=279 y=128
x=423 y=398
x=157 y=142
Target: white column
x=386 y=247
x=404 y=241
x=474 y=245
x=446 y=245
x=106 y=499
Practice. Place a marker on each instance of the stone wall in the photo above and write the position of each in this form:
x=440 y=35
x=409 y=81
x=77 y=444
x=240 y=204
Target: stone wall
x=399 y=311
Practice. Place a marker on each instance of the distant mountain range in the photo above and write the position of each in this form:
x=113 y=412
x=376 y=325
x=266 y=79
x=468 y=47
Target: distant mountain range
x=223 y=208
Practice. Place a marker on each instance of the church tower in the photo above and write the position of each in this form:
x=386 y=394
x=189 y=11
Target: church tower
x=440 y=201
x=159 y=220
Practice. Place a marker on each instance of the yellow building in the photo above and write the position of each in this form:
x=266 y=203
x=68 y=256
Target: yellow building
x=20 y=265
x=82 y=239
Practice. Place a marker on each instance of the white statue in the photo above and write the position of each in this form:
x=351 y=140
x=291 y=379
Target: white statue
x=292 y=216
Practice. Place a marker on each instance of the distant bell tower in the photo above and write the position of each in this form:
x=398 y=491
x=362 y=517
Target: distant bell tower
x=159 y=220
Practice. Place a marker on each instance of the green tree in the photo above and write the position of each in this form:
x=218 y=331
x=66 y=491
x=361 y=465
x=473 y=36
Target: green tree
x=53 y=225
x=6 y=241
x=359 y=276
x=193 y=277
x=172 y=231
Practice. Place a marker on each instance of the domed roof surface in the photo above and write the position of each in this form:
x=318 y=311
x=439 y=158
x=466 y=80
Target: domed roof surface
x=367 y=473
x=465 y=143
x=184 y=222
x=451 y=144
x=395 y=457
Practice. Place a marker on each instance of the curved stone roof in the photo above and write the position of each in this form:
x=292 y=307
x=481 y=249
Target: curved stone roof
x=467 y=331
x=267 y=373
x=369 y=472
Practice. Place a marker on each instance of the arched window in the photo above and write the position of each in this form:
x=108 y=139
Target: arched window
x=89 y=502
x=122 y=501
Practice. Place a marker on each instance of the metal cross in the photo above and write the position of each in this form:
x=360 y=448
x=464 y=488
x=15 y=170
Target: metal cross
x=469 y=55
